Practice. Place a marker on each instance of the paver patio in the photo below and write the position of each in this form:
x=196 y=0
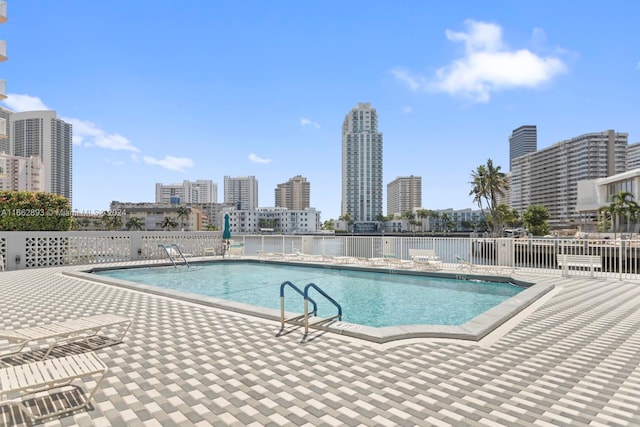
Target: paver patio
x=575 y=360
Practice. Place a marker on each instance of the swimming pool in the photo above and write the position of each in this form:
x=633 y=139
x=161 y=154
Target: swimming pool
x=376 y=305
x=368 y=298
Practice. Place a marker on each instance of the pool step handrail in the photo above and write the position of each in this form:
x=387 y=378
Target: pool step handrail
x=167 y=249
x=306 y=305
x=296 y=319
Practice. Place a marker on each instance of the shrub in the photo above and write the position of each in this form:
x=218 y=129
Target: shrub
x=27 y=211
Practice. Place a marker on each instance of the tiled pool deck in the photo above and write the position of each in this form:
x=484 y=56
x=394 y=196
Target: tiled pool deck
x=573 y=360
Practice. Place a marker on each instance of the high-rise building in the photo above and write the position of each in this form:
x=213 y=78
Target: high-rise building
x=242 y=191
x=187 y=192
x=5 y=130
x=404 y=194
x=362 y=166
x=549 y=176
x=633 y=156
x=21 y=173
x=4 y=114
x=42 y=133
x=523 y=140
x=294 y=194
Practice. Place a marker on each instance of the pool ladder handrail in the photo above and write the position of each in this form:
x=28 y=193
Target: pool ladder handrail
x=306 y=304
x=174 y=246
x=293 y=320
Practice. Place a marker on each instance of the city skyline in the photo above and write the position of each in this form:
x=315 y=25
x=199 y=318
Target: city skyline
x=213 y=90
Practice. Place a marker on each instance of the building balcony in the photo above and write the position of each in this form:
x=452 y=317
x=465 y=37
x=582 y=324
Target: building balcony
x=3 y=50
x=3 y=90
x=3 y=12
x=3 y=128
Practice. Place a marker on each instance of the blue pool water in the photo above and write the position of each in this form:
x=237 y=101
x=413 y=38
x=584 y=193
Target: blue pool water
x=374 y=299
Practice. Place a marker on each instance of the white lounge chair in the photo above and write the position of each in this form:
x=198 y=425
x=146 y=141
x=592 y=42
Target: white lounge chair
x=464 y=264
x=55 y=334
x=425 y=259
x=28 y=381
x=393 y=261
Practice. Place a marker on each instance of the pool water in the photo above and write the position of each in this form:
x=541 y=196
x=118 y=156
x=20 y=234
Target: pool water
x=369 y=298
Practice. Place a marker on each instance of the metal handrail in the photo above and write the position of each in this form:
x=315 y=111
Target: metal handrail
x=307 y=298
x=298 y=290
x=177 y=248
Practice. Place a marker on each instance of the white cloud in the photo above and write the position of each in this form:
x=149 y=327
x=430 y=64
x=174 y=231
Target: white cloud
x=488 y=65
x=179 y=164
x=19 y=103
x=638 y=66
x=308 y=122
x=407 y=110
x=85 y=133
x=255 y=159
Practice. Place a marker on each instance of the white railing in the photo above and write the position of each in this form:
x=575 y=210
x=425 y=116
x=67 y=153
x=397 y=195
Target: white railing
x=19 y=250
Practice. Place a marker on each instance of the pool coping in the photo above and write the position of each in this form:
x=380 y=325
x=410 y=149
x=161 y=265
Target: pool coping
x=473 y=330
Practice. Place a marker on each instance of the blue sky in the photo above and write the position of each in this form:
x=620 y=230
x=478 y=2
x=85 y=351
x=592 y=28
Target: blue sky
x=163 y=90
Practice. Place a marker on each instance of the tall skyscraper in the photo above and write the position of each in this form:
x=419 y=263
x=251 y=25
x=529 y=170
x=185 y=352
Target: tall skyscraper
x=549 y=177
x=242 y=191
x=42 y=133
x=294 y=194
x=404 y=194
x=362 y=165
x=4 y=114
x=523 y=140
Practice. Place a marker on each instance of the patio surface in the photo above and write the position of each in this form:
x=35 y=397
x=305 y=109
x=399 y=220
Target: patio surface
x=573 y=360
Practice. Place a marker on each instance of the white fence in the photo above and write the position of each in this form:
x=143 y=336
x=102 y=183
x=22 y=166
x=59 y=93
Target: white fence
x=19 y=250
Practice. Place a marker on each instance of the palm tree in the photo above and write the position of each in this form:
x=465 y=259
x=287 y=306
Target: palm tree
x=435 y=216
x=624 y=205
x=168 y=223
x=134 y=223
x=446 y=221
x=409 y=216
x=422 y=214
x=183 y=212
x=347 y=217
x=116 y=222
x=107 y=220
x=488 y=183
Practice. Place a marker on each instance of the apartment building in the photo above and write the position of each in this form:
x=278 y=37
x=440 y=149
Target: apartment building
x=633 y=156
x=4 y=114
x=152 y=216
x=523 y=140
x=404 y=194
x=549 y=177
x=362 y=186
x=241 y=191
x=42 y=133
x=294 y=194
x=273 y=220
x=187 y=192
x=21 y=173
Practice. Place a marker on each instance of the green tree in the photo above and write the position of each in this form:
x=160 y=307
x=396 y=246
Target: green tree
x=623 y=207
x=327 y=225
x=535 y=220
x=435 y=216
x=409 y=217
x=134 y=223
x=488 y=183
x=183 y=212
x=422 y=214
x=168 y=223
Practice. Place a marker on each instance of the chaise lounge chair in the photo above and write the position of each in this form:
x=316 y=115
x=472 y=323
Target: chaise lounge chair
x=28 y=382
x=464 y=264
x=76 y=330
